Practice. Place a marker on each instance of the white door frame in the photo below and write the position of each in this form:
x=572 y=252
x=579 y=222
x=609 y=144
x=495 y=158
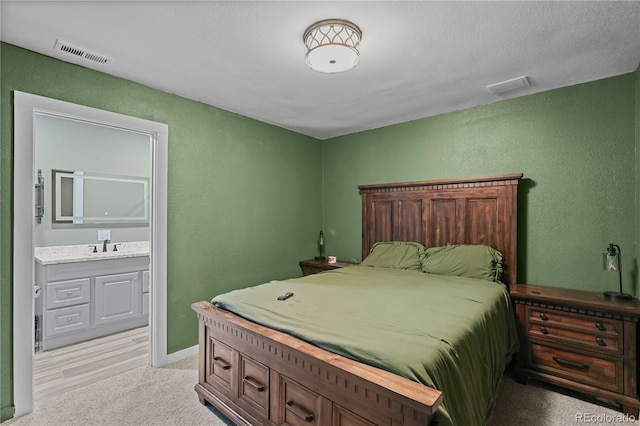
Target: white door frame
x=25 y=106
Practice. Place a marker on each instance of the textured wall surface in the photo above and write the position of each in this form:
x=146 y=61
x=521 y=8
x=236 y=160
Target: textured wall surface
x=242 y=204
x=245 y=197
x=575 y=146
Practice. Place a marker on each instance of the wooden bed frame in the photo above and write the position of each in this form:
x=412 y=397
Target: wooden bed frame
x=259 y=376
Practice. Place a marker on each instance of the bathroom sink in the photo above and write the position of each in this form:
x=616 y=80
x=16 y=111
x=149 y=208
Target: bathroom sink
x=84 y=252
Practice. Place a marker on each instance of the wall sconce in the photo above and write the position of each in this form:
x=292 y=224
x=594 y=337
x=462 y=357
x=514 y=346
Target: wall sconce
x=612 y=264
x=320 y=256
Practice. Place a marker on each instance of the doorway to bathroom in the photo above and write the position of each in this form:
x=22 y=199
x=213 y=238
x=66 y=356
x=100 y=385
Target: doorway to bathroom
x=92 y=257
x=89 y=252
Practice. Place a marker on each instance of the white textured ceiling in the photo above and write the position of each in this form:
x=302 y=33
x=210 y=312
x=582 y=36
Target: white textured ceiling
x=417 y=58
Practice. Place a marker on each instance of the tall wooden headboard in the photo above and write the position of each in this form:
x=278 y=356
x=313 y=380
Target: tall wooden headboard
x=479 y=210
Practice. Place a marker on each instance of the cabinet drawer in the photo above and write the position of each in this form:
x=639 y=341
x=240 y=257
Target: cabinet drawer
x=220 y=369
x=254 y=385
x=68 y=293
x=592 y=332
x=299 y=405
x=66 y=320
x=603 y=372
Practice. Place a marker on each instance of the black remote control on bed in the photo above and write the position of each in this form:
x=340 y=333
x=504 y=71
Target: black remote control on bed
x=285 y=296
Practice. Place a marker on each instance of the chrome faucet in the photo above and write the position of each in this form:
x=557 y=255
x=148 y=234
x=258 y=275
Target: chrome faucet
x=104 y=245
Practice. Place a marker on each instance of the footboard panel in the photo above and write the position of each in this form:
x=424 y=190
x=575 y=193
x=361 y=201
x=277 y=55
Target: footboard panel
x=259 y=376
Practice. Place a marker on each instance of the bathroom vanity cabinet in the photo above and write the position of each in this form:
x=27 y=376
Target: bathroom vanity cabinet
x=88 y=299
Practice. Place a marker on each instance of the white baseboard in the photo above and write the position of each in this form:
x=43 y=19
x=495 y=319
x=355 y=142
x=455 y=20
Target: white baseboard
x=180 y=355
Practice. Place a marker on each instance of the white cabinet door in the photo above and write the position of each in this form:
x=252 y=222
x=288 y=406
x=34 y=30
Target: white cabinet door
x=145 y=292
x=117 y=297
x=145 y=282
x=145 y=303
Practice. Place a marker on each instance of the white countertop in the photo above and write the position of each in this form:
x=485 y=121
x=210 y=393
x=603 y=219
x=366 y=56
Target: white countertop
x=84 y=252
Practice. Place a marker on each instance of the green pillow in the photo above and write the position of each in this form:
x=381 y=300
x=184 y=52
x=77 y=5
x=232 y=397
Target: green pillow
x=395 y=254
x=472 y=261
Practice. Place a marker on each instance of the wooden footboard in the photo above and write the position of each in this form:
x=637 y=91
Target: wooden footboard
x=259 y=376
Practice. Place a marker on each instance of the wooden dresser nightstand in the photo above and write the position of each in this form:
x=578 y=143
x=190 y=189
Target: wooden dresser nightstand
x=313 y=266
x=579 y=340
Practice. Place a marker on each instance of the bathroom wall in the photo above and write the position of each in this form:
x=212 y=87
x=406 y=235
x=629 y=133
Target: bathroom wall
x=63 y=144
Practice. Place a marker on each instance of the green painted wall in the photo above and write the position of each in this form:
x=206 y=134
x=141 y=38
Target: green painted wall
x=575 y=146
x=241 y=209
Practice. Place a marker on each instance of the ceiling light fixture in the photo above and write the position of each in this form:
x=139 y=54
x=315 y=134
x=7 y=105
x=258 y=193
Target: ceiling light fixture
x=332 y=45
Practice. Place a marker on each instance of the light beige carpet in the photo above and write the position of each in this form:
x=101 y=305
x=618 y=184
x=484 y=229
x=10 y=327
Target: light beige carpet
x=536 y=404
x=165 y=396
x=142 y=396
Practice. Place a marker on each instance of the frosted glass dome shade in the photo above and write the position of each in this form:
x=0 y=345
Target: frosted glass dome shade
x=332 y=46
x=332 y=58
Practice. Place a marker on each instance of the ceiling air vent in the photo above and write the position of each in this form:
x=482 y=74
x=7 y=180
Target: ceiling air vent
x=80 y=53
x=508 y=85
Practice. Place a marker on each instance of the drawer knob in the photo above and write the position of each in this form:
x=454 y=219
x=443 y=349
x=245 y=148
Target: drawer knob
x=70 y=293
x=221 y=363
x=544 y=330
x=297 y=412
x=257 y=386
x=600 y=326
x=543 y=317
x=600 y=341
x=573 y=364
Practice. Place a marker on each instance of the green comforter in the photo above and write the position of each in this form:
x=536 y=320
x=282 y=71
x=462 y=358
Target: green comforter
x=454 y=334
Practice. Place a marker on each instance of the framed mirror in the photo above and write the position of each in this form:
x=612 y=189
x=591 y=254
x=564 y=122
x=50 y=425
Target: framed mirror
x=82 y=197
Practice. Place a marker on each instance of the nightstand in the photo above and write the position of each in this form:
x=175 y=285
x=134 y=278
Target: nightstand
x=313 y=266
x=579 y=340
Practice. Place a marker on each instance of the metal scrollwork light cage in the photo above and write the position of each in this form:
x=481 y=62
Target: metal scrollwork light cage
x=332 y=45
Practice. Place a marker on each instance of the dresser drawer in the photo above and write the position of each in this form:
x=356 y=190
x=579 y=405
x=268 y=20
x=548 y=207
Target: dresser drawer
x=221 y=368
x=66 y=320
x=591 y=332
x=61 y=294
x=575 y=320
x=254 y=385
x=313 y=266
x=344 y=417
x=605 y=372
x=310 y=270
x=301 y=406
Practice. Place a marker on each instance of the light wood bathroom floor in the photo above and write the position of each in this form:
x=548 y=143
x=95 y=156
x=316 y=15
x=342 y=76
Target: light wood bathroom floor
x=63 y=369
